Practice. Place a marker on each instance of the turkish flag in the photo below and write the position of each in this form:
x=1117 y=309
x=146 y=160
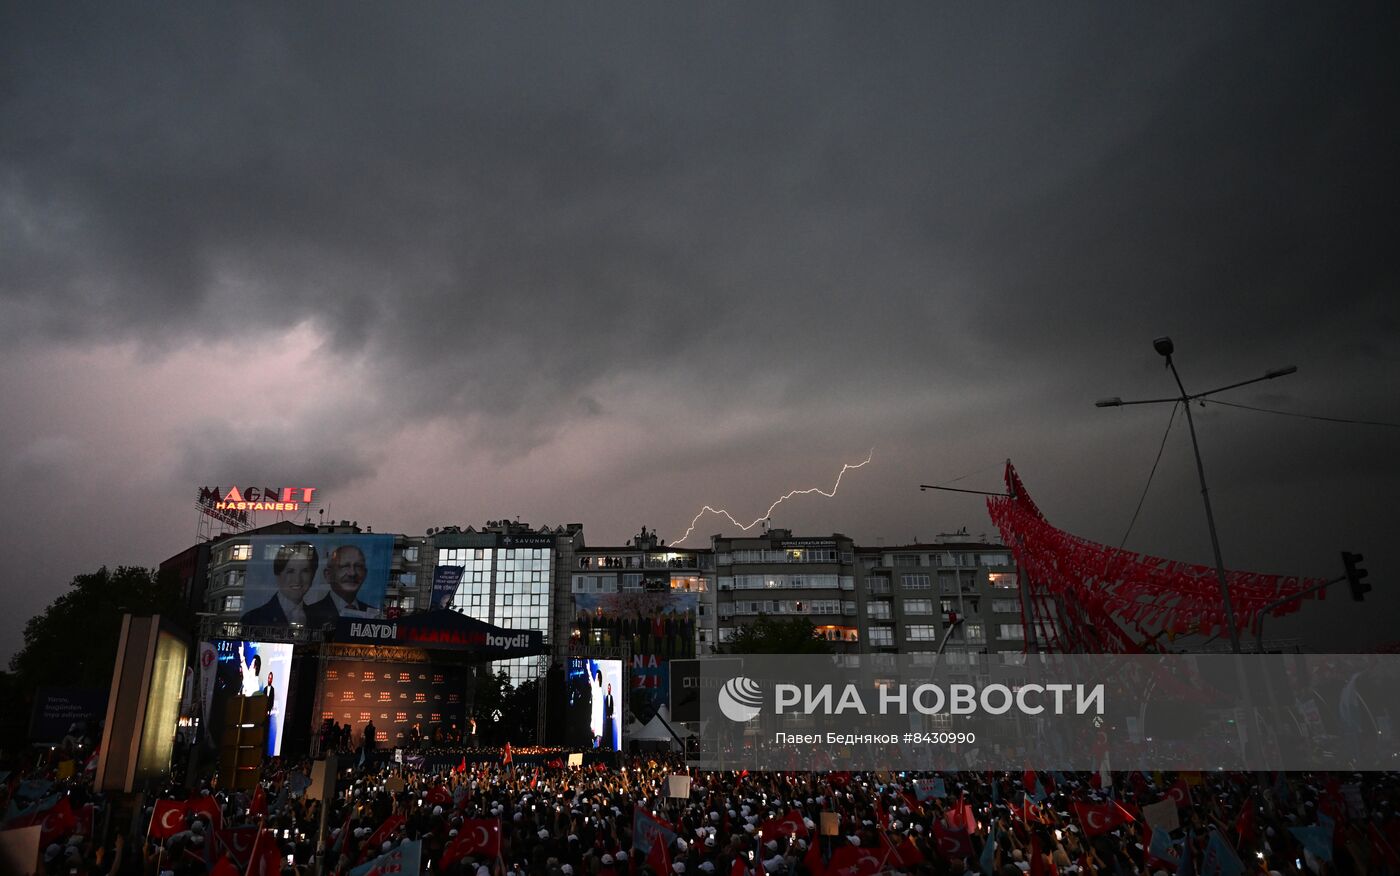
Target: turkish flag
x=908 y=854
x=1100 y=818
x=238 y=842
x=1038 y=867
x=167 y=819
x=439 y=796
x=1028 y=781
x=1179 y=794
x=789 y=825
x=952 y=842
x=258 y=808
x=855 y=861
x=813 y=861
x=224 y=867
x=840 y=779
x=476 y=836
x=376 y=839
x=58 y=822
x=266 y=859
x=207 y=807
x=658 y=859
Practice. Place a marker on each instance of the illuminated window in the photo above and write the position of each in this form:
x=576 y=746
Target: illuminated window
x=241 y=552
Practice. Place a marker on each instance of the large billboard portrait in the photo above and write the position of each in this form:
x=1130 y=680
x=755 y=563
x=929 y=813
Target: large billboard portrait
x=316 y=580
x=256 y=669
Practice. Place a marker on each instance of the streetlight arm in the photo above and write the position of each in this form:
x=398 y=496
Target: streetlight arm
x=1278 y=372
x=1120 y=403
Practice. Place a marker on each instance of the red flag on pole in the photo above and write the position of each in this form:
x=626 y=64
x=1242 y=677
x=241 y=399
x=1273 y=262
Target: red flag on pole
x=476 y=836
x=659 y=859
x=209 y=808
x=258 y=808
x=167 y=819
x=1100 y=818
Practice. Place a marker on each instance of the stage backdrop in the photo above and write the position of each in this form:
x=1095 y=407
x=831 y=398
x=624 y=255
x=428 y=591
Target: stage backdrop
x=395 y=696
x=317 y=578
x=659 y=625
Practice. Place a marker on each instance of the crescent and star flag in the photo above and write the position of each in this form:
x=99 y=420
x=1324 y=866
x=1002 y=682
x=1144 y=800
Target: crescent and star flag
x=238 y=842
x=1179 y=794
x=167 y=819
x=813 y=860
x=854 y=861
x=476 y=836
x=1100 y=818
x=952 y=841
x=790 y=824
x=258 y=808
x=439 y=796
x=207 y=807
x=406 y=860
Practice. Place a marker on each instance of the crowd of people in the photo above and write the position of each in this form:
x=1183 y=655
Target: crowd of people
x=506 y=818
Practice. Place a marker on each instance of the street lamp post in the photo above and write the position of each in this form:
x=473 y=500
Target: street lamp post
x=1166 y=348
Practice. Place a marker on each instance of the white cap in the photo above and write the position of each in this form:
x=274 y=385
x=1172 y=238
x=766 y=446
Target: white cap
x=707 y=866
x=679 y=866
x=567 y=870
x=452 y=832
x=53 y=851
x=386 y=846
x=607 y=859
x=437 y=810
x=771 y=845
x=681 y=844
x=544 y=834
x=622 y=855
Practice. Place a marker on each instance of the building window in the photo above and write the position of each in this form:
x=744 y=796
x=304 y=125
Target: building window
x=241 y=552
x=233 y=603
x=918 y=606
x=1006 y=606
x=877 y=584
x=878 y=608
x=410 y=554
x=921 y=633
x=973 y=633
x=1011 y=631
x=906 y=559
x=915 y=582
x=882 y=637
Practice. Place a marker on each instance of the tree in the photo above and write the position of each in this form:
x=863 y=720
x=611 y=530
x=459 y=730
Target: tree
x=73 y=643
x=793 y=635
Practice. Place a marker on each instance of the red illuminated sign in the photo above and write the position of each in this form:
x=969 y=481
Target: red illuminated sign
x=256 y=498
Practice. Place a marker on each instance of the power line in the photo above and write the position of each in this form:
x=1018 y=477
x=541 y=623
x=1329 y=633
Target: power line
x=1150 y=475
x=1303 y=416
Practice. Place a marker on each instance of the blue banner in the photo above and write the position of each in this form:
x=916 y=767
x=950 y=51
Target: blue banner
x=445 y=582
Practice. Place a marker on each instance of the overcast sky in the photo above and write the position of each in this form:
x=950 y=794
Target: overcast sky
x=607 y=264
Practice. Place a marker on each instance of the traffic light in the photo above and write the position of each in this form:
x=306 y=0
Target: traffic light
x=1356 y=576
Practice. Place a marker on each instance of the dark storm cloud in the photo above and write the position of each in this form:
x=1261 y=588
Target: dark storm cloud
x=757 y=239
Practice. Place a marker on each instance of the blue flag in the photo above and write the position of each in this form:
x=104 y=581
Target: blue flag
x=405 y=859
x=1187 y=865
x=1161 y=846
x=1220 y=859
x=989 y=853
x=1316 y=839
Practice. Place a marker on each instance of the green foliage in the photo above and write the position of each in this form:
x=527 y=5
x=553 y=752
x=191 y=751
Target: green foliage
x=767 y=635
x=73 y=643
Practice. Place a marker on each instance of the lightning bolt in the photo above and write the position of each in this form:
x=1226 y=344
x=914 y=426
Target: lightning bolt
x=766 y=514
